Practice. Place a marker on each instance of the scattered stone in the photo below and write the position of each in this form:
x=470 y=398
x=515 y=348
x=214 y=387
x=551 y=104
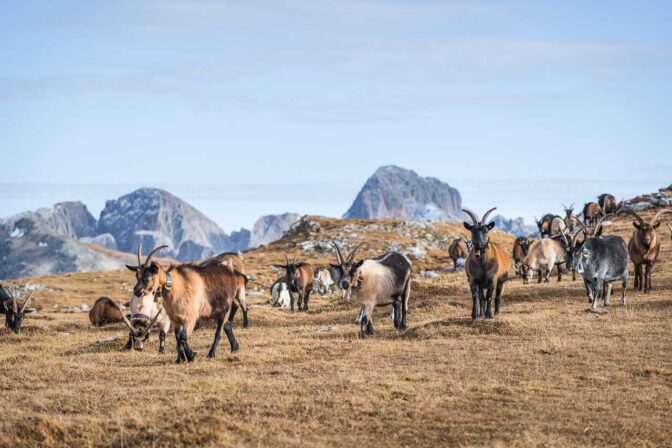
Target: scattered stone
x=429 y=274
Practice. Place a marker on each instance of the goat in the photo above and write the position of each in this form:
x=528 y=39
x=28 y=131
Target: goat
x=280 y=295
x=544 y=254
x=324 y=281
x=557 y=227
x=521 y=247
x=544 y=225
x=140 y=324
x=237 y=263
x=14 y=313
x=644 y=247
x=571 y=221
x=600 y=262
x=300 y=281
x=190 y=291
x=591 y=213
x=458 y=249
x=608 y=203
x=487 y=266
x=104 y=312
x=380 y=281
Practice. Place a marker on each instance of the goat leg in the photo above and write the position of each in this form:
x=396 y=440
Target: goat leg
x=232 y=339
x=129 y=344
x=162 y=341
x=490 y=290
x=474 y=298
x=179 y=346
x=218 y=335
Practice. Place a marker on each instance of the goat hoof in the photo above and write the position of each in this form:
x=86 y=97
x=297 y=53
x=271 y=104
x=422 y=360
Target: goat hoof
x=235 y=348
x=246 y=324
x=179 y=360
x=403 y=326
x=162 y=351
x=211 y=355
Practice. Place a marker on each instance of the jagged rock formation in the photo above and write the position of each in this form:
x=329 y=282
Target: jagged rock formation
x=514 y=226
x=394 y=192
x=69 y=219
x=270 y=228
x=157 y=217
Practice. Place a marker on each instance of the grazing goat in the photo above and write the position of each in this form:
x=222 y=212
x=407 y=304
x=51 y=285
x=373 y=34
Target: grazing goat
x=521 y=247
x=105 y=312
x=591 y=213
x=608 y=203
x=140 y=324
x=380 y=281
x=190 y=291
x=544 y=255
x=280 y=295
x=324 y=281
x=458 y=249
x=571 y=221
x=600 y=262
x=487 y=266
x=544 y=224
x=14 y=313
x=644 y=247
x=300 y=281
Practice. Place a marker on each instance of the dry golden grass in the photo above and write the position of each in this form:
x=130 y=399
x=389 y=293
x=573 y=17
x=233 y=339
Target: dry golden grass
x=545 y=372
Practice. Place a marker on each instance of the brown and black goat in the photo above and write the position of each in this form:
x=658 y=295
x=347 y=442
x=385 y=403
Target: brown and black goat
x=644 y=247
x=544 y=224
x=591 y=213
x=105 y=312
x=608 y=203
x=458 y=249
x=487 y=267
x=521 y=247
x=9 y=306
x=190 y=291
x=300 y=281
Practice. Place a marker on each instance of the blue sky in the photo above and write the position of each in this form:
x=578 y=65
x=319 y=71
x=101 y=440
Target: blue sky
x=323 y=92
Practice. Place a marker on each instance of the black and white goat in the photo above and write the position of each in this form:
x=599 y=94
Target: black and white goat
x=380 y=281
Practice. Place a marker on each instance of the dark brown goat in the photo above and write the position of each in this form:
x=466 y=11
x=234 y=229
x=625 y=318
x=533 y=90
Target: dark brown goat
x=544 y=224
x=591 y=213
x=487 y=267
x=190 y=291
x=644 y=247
x=608 y=203
x=300 y=281
x=521 y=247
x=104 y=312
x=458 y=249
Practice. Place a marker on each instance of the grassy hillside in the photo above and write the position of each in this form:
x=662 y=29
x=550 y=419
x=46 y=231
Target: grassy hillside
x=545 y=372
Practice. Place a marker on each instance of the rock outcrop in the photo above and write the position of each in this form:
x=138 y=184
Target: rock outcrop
x=270 y=228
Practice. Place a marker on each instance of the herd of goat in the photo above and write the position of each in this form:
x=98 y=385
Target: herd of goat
x=179 y=295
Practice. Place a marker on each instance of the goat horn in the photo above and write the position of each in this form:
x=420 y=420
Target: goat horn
x=151 y=254
x=151 y=324
x=472 y=215
x=484 y=219
x=630 y=211
x=574 y=238
x=125 y=319
x=140 y=253
x=351 y=257
x=23 y=307
x=658 y=214
x=294 y=260
x=339 y=256
x=15 y=305
x=287 y=259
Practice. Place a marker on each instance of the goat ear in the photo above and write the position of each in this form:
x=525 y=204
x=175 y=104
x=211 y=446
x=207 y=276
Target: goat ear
x=279 y=266
x=655 y=226
x=153 y=268
x=468 y=226
x=132 y=268
x=636 y=224
x=358 y=264
x=491 y=225
x=335 y=266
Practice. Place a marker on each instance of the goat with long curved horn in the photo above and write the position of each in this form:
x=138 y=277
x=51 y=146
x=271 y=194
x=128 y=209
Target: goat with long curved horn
x=351 y=257
x=148 y=260
x=472 y=215
x=484 y=219
x=140 y=253
x=339 y=256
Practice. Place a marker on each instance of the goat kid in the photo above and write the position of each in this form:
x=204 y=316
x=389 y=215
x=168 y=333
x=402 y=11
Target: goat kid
x=280 y=295
x=140 y=324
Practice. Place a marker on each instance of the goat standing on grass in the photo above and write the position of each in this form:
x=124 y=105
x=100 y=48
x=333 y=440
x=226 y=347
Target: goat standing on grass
x=591 y=213
x=571 y=221
x=300 y=281
x=140 y=323
x=487 y=266
x=521 y=247
x=644 y=247
x=544 y=224
x=544 y=255
x=14 y=313
x=280 y=295
x=458 y=249
x=190 y=291
x=380 y=281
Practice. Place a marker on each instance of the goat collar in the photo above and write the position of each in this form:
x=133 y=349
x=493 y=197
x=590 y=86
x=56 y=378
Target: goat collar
x=360 y=280
x=160 y=293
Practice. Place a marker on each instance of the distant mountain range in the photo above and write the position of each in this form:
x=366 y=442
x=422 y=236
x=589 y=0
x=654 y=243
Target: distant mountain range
x=67 y=237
